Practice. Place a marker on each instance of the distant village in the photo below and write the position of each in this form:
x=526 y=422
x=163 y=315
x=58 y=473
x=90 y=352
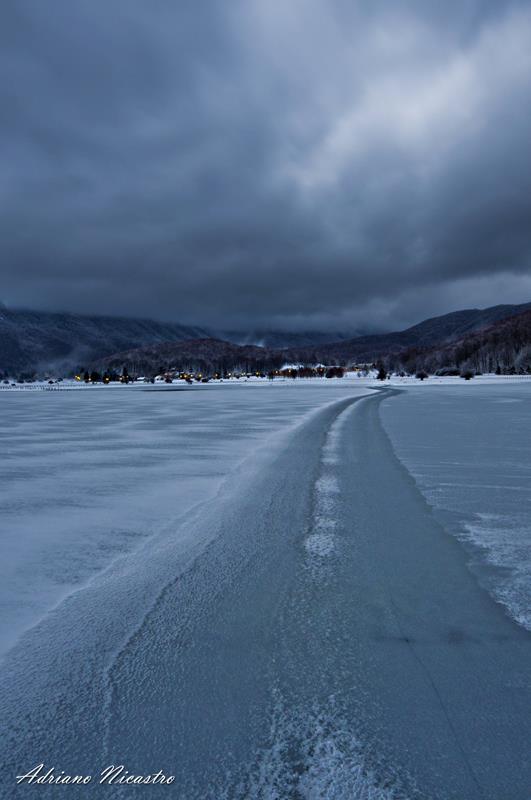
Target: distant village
x=173 y=375
x=129 y=376
x=168 y=376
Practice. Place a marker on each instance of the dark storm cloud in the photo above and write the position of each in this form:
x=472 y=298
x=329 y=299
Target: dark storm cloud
x=257 y=162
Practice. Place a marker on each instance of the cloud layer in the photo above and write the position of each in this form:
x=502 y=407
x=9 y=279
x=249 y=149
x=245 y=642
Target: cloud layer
x=302 y=164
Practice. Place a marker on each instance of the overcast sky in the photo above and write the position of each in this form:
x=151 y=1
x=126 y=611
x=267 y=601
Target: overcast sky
x=279 y=163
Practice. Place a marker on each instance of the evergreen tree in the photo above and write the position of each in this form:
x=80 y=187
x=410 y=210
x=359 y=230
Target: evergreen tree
x=382 y=375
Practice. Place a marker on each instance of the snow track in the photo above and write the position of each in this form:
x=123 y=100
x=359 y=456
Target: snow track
x=312 y=632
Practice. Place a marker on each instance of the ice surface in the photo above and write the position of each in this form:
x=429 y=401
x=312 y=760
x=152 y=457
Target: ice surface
x=307 y=629
x=469 y=449
x=88 y=476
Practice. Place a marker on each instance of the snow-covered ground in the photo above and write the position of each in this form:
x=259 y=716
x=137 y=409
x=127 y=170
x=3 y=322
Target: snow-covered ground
x=242 y=585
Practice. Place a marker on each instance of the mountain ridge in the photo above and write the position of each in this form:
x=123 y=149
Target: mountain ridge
x=211 y=354
x=503 y=347
x=428 y=332
x=32 y=341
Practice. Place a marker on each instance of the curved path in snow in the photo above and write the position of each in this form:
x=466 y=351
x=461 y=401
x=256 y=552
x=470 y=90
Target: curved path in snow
x=328 y=642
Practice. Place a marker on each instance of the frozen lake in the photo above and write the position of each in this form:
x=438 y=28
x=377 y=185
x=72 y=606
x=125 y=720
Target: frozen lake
x=244 y=586
x=86 y=476
x=469 y=449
